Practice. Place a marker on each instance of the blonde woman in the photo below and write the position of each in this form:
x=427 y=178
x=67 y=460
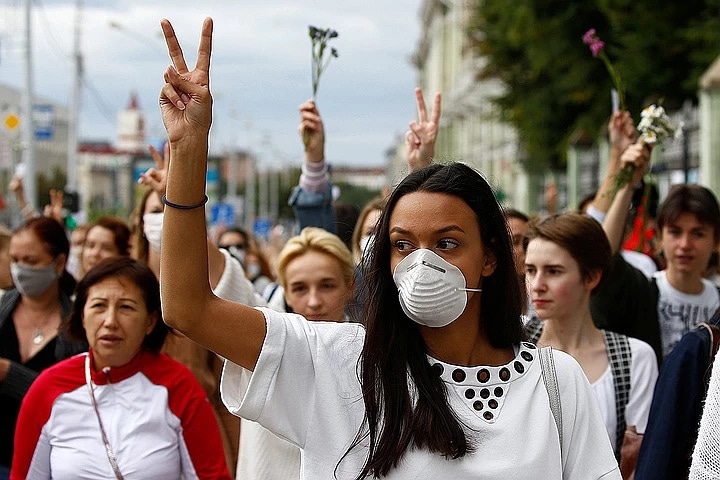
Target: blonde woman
x=315 y=271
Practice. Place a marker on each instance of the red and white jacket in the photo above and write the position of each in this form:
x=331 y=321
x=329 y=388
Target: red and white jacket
x=158 y=421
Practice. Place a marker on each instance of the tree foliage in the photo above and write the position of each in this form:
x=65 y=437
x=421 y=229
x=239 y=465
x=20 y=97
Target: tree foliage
x=556 y=90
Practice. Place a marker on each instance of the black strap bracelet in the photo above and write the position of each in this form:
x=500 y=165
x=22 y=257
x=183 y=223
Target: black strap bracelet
x=183 y=207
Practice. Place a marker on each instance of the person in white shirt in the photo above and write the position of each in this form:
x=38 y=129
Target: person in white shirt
x=567 y=256
x=316 y=273
x=435 y=382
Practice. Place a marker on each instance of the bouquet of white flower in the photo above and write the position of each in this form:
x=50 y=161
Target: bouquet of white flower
x=654 y=128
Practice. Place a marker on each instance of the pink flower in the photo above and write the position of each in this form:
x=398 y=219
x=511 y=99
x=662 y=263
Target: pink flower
x=589 y=36
x=593 y=41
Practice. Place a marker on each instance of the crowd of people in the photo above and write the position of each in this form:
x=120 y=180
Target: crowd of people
x=444 y=336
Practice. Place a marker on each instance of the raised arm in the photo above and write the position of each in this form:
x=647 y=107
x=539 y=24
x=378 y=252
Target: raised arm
x=156 y=178
x=232 y=330
x=420 y=138
x=622 y=133
x=312 y=199
x=616 y=218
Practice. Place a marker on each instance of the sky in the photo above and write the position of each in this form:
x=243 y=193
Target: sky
x=260 y=70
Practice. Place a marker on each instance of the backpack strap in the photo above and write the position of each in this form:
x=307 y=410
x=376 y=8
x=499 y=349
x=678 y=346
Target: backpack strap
x=620 y=357
x=549 y=375
x=714 y=332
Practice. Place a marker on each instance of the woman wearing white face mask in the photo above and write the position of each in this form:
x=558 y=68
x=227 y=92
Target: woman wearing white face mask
x=396 y=398
x=147 y=232
x=365 y=228
x=30 y=315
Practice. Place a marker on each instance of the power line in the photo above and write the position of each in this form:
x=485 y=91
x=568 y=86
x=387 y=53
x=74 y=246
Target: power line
x=50 y=35
x=102 y=106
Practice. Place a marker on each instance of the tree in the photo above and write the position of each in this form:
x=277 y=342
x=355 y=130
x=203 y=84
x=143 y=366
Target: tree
x=556 y=89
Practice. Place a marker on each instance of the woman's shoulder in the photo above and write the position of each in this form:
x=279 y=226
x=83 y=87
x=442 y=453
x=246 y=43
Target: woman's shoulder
x=58 y=379
x=640 y=348
x=568 y=369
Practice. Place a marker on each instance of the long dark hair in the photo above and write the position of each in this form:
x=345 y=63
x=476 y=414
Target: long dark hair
x=396 y=420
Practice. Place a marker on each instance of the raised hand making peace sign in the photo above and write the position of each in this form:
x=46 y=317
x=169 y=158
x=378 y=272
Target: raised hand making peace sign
x=420 y=138
x=185 y=99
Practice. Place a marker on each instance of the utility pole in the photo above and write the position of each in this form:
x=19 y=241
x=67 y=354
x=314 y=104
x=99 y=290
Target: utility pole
x=28 y=127
x=249 y=203
x=74 y=120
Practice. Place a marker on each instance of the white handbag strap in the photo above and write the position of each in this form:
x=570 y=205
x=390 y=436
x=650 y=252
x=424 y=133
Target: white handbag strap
x=549 y=375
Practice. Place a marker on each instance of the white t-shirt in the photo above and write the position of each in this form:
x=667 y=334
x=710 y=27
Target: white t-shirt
x=305 y=389
x=640 y=261
x=679 y=312
x=643 y=374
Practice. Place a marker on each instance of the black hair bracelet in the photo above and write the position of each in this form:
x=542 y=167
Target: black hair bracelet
x=183 y=207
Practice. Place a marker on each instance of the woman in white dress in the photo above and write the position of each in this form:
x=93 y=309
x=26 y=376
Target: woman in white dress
x=436 y=382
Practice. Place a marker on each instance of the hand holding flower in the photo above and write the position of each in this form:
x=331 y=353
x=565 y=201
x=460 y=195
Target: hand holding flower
x=312 y=131
x=655 y=127
x=621 y=131
x=636 y=158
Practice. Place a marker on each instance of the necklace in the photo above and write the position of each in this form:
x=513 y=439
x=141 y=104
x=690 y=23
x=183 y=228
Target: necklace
x=38 y=336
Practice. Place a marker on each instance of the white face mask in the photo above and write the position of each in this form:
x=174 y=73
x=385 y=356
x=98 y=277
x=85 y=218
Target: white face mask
x=432 y=291
x=73 y=264
x=152 y=228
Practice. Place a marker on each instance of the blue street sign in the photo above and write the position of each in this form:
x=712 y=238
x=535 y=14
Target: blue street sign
x=43 y=121
x=222 y=214
x=261 y=227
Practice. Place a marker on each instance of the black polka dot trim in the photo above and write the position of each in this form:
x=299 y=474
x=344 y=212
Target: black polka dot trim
x=484 y=388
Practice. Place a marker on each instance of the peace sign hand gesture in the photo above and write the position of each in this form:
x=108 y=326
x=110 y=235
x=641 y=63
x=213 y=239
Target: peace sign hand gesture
x=420 y=139
x=156 y=177
x=185 y=99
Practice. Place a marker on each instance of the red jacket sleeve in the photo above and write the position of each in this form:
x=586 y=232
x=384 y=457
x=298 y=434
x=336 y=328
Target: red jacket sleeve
x=200 y=430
